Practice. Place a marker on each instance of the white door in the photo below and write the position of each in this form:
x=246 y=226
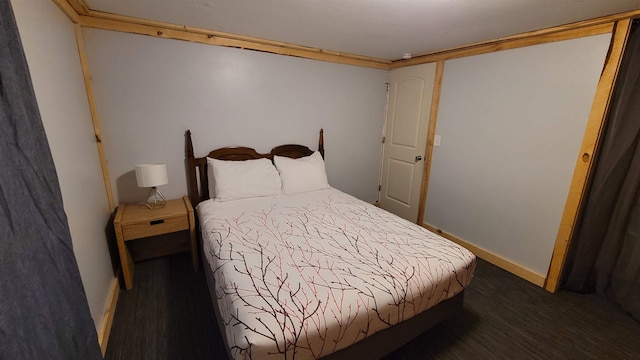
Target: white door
x=409 y=107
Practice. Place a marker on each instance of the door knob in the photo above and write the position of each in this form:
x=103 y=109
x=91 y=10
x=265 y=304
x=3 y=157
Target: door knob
x=418 y=158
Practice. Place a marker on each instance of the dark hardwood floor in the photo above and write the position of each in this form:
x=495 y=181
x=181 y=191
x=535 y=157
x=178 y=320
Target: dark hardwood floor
x=168 y=315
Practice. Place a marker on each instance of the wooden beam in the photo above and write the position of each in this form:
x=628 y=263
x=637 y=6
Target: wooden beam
x=433 y=119
x=139 y=26
x=522 y=40
x=94 y=115
x=584 y=163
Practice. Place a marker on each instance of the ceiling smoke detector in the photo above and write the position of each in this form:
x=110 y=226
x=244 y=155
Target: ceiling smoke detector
x=406 y=56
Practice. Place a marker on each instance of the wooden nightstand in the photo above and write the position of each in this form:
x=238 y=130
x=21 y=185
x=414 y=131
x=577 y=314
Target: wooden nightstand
x=136 y=221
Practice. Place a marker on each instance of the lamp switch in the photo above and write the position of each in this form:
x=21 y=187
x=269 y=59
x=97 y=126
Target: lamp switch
x=436 y=140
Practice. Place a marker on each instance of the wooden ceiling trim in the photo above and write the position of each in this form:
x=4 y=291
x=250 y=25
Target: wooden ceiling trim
x=105 y=21
x=79 y=12
x=517 y=41
x=196 y=30
x=79 y=6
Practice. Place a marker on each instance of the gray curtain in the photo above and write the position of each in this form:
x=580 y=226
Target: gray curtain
x=43 y=308
x=605 y=252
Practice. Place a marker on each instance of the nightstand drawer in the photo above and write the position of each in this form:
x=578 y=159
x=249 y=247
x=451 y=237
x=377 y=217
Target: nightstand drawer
x=154 y=227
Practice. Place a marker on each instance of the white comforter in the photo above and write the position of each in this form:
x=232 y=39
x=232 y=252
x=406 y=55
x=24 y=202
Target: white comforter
x=302 y=276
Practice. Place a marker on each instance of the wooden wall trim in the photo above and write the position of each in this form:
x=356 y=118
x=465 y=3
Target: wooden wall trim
x=109 y=313
x=492 y=258
x=584 y=163
x=433 y=120
x=559 y=33
x=94 y=116
x=131 y=25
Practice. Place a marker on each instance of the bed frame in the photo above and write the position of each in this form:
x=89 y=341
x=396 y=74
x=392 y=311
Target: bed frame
x=373 y=347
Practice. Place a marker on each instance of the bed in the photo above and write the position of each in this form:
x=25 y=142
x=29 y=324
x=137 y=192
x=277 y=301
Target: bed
x=299 y=270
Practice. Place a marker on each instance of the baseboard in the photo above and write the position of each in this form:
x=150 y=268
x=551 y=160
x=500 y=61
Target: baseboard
x=494 y=259
x=107 y=319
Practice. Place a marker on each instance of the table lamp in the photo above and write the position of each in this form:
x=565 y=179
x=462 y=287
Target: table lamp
x=152 y=176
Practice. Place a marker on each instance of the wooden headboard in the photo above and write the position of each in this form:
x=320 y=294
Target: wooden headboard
x=197 y=179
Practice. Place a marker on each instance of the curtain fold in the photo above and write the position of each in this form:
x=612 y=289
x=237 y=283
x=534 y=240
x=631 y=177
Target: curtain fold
x=605 y=251
x=44 y=312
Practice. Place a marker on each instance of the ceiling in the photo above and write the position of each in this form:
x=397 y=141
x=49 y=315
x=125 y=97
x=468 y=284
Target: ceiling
x=384 y=29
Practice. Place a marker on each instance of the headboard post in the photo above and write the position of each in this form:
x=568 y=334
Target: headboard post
x=189 y=144
x=192 y=183
x=321 y=143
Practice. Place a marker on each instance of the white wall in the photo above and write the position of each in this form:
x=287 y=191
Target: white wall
x=50 y=47
x=512 y=124
x=150 y=90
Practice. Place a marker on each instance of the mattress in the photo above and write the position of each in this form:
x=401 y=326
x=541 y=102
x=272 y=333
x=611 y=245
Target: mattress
x=302 y=276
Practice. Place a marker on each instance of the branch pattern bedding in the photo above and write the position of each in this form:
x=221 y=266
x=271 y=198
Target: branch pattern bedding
x=299 y=270
x=307 y=274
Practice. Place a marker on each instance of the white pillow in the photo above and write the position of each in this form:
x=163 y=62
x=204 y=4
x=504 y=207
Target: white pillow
x=234 y=180
x=303 y=174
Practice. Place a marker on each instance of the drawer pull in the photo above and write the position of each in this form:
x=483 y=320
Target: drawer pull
x=156 y=222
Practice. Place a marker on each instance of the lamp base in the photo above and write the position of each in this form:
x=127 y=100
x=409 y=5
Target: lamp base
x=155 y=199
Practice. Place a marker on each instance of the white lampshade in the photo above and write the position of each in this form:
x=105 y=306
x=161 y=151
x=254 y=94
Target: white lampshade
x=150 y=175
